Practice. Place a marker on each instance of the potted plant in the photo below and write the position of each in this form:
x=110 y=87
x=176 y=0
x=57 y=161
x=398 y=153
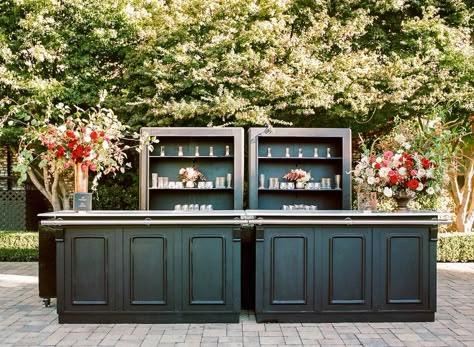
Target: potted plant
x=190 y=176
x=299 y=176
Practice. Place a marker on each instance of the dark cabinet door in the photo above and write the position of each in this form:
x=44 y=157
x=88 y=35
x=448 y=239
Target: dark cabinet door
x=285 y=270
x=90 y=269
x=347 y=269
x=211 y=269
x=148 y=266
x=401 y=262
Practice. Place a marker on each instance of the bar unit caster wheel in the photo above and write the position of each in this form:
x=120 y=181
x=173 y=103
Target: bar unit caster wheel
x=46 y=302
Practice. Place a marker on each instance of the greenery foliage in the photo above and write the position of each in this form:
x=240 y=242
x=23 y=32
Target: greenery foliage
x=454 y=247
x=18 y=246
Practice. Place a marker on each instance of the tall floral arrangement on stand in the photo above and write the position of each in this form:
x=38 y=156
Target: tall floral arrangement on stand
x=397 y=172
x=93 y=140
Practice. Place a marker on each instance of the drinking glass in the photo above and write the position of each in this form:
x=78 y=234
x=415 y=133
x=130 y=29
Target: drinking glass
x=227 y=151
x=179 y=185
x=209 y=185
x=211 y=151
x=291 y=185
x=201 y=185
x=180 y=151
x=287 y=152
x=269 y=152
x=229 y=180
x=171 y=184
x=315 y=152
x=154 y=180
x=283 y=185
x=337 y=180
x=262 y=181
x=196 y=151
x=328 y=153
x=162 y=151
x=300 y=153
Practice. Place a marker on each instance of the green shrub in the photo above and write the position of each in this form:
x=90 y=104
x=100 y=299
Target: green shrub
x=18 y=246
x=456 y=247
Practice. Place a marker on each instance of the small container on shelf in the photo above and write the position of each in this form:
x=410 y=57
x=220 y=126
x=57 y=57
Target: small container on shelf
x=269 y=152
x=287 y=152
x=262 y=181
x=229 y=180
x=196 y=151
x=154 y=180
x=337 y=181
x=300 y=153
x=315 y=153
x=180 y=151
x=227 y=151
x=162 y=151
x=211 y=151
x=328 y=155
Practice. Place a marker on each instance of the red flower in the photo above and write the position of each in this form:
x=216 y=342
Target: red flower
x=60 y=152
x=413 y=184
x=393 y=179
x=51 y=146
x=70 y=134
x=409 y=164
x=377 y=166
x=71 y=144
x=94 y=135
x=425 y=163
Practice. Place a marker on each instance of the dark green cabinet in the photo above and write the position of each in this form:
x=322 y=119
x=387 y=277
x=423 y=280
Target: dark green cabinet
x=345 y=273
x=323 y=152
x=149 y=274
x=216 y=152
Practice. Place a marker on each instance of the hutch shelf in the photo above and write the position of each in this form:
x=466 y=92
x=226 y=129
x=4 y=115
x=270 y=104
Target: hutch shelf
x=325 y=153
x=216 y=152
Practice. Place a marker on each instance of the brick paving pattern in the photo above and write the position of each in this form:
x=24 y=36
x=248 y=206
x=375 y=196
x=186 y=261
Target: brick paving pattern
x=25 y=322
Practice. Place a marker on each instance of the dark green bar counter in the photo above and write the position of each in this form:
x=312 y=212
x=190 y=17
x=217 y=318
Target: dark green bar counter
x=147 y=267
x=339 y=266
x=311 y=266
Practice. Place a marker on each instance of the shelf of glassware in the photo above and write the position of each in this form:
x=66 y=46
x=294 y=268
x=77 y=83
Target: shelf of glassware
x=216 y=153
x=323 y=153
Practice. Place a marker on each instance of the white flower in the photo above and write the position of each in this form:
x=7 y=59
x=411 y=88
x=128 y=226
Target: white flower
x=402 y=171
x=87 y=139
x=384 y=172
x=430 y=191
x=387 y=192
x=429 y=173
x=400 y=138
x=181 y=171
x=105 y=145
x=371 y=180
x=420 y=187
x=62 y=128
x=379 y=160
x=421 y=173
x=396 y=158
x=407 y=145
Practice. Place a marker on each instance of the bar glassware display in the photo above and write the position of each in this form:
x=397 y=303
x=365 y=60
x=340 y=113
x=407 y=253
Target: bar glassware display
x=229 y=180
x=337 y=180
x=154 y=180
x=262 y=181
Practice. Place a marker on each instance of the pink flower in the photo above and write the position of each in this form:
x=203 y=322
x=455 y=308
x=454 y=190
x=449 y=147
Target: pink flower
x=388 y=154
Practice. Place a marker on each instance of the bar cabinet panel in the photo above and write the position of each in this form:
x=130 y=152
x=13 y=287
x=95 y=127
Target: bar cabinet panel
x=89 y=279
x=347 y=261
x=148 y=269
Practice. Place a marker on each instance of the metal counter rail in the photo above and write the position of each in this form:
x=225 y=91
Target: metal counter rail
x=59 y=222
x=347 y=221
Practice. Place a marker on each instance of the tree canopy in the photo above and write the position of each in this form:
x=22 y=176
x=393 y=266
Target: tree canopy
x=208 y=62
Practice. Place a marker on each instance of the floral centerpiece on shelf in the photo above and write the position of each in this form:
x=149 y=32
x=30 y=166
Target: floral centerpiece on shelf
x=190 y=176
x=299 y=176
x=398 y=172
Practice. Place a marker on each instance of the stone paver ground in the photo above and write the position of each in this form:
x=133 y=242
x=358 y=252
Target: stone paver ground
x=25 y=322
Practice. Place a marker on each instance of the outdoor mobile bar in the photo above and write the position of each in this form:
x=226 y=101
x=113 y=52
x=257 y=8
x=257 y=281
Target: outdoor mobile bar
x=165 y=264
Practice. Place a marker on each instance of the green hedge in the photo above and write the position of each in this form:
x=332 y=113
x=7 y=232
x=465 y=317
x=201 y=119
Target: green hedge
x=23 y=246
x=18 y=246
x=456 y=247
